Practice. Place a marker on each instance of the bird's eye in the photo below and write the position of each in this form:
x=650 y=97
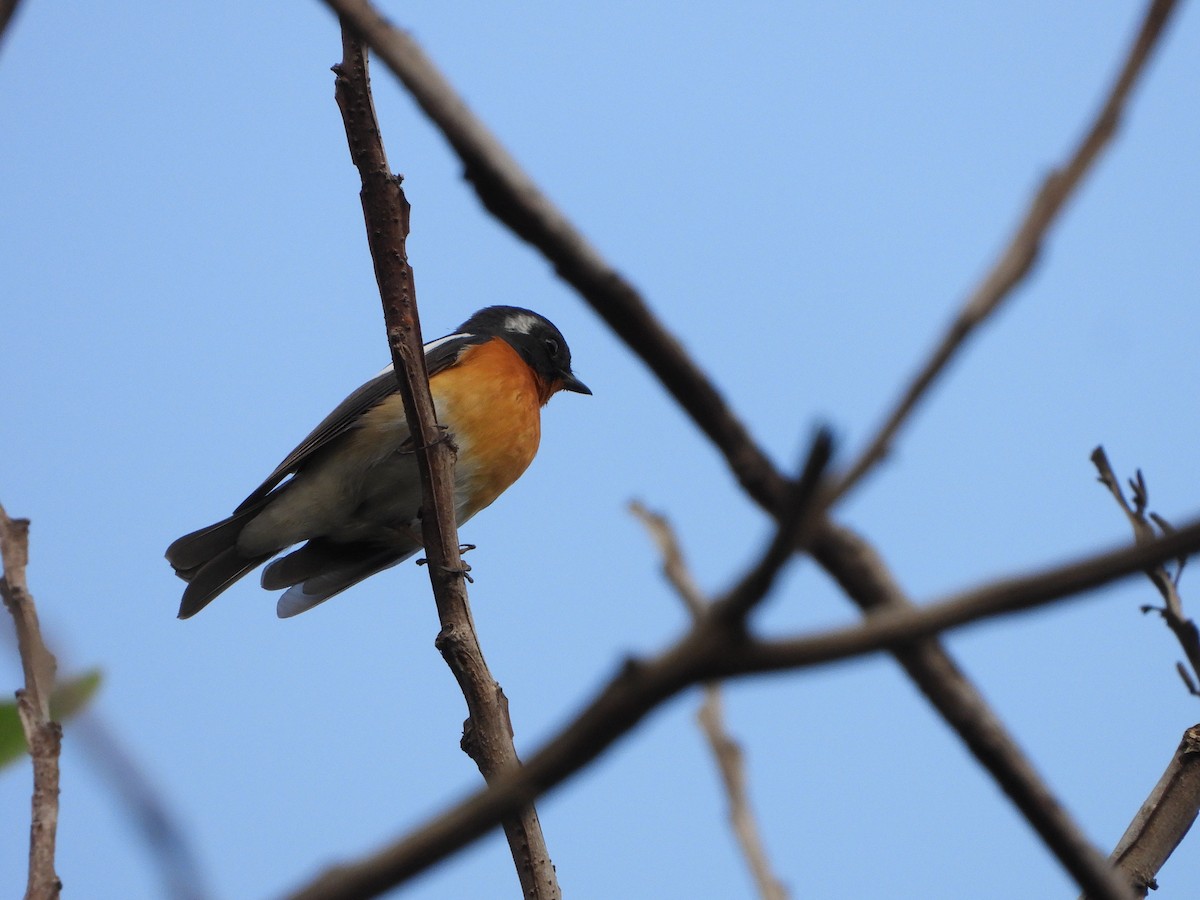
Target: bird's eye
x=551 y=346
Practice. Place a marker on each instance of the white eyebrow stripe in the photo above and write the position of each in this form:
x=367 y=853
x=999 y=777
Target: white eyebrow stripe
x=432 y=345
x=521 y=323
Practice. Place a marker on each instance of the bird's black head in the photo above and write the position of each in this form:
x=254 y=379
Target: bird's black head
x=540 y=344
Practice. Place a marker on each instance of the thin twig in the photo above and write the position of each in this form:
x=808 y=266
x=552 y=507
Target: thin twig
x=726 y=751
x=1025 y=245
x=730 y=761
x=42 y=734
x=674 y=568
x=1164 y=818
x=1143 y=524
x=488 y=736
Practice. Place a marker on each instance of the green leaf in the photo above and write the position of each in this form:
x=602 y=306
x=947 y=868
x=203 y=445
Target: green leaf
x=12 y=736
x=68 y=699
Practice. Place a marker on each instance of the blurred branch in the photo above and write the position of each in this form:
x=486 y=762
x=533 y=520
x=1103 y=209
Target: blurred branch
x=43 y=734
x=166 y=840
x=7 y=8
x=1164 y=818
x=727 y=753
x=488 y=736
x=1023 y=248
x=1143 y=525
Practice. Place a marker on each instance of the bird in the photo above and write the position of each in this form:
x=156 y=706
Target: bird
x=350 y=492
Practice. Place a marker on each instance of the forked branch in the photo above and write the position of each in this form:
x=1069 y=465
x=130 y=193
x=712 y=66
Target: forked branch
x=1146 y=527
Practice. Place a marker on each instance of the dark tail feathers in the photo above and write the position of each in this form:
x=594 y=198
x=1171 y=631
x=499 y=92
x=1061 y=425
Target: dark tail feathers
x=209 y=561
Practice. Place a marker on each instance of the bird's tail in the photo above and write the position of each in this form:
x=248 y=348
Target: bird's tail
x=209 y=561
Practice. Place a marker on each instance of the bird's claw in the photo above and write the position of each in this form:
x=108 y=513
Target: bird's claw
x=464 y=570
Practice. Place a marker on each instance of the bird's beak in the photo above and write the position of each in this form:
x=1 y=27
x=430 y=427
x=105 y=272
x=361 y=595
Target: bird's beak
x=571 y=383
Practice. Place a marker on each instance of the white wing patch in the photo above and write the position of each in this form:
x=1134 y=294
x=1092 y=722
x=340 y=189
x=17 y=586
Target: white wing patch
x=521 y=323
x=431 y=345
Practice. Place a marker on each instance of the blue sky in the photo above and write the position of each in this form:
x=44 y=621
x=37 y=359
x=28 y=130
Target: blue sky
x=804 y=193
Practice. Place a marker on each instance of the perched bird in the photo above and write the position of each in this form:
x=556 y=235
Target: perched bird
x=354 y=495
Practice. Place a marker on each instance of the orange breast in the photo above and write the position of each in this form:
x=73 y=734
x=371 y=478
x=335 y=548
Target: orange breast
x=490 y=402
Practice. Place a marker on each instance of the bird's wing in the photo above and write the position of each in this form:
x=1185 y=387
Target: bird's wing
x=439 y=355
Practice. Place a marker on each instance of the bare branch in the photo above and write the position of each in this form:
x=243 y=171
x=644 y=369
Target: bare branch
x=488 y=735
x=1164 y=818
x=726 y=751
x=42 y=734
x=1025 y=245
x=733 y=773
x=1184 y=629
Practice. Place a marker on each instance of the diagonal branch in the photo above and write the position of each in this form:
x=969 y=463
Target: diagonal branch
x=488 y=737
x=169 y=846
x=800 y=512
x=42 y=734
x=1025 y=245
x=1164 y=818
